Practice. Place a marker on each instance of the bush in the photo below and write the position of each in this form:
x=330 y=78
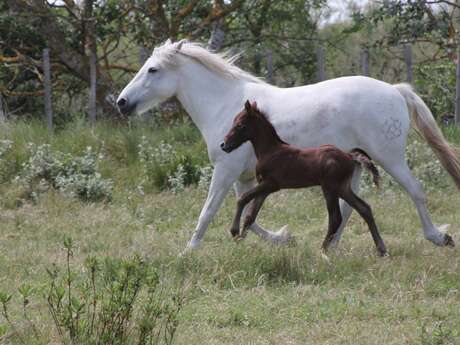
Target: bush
x=166 y=168
x=77 y=176
x=116 y=302
x=436 y=83
x=424 y=165
x=5 y=147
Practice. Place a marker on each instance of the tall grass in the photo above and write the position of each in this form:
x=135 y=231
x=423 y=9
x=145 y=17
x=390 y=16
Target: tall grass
x=119 y=143
x=245 y=293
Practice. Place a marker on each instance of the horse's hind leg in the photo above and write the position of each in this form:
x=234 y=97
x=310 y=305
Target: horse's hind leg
x=365 y=212
x=346 y=209
x=403 y=175
x=335 y=217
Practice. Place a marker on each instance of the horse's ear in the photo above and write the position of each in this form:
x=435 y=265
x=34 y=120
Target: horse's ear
x=180 y=44
x=254 y=105
x=168 y=41
x=247 y=106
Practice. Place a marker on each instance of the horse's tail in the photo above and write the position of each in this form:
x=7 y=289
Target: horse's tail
x=425 y=125
x=363 y=159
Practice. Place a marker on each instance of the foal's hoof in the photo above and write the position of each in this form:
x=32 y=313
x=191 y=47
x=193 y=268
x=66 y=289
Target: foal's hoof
x=235 y=232
x=448 y=241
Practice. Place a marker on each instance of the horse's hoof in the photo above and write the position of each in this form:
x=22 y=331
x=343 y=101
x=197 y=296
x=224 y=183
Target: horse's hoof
x=283 y=236
x=324 y=256
x=384 y=254
x=448 y=241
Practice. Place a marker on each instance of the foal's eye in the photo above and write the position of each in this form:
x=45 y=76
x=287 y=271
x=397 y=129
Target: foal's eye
x=152 y=70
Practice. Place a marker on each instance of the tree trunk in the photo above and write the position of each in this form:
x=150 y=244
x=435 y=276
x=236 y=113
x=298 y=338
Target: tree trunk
x=91 y=52
x=217 y=36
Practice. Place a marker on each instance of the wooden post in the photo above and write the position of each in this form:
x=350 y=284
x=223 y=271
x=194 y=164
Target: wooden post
x=92 y=90
x=408 y=61
x=2 y=110
x=457 y=92
x=365 y=62
x=269 y=66
x=321 y=72
x=47 y=85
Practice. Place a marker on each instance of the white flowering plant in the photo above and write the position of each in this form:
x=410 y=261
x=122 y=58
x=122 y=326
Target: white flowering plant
x=75 y=176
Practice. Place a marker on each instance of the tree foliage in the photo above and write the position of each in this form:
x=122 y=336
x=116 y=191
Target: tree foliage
x=120 y=29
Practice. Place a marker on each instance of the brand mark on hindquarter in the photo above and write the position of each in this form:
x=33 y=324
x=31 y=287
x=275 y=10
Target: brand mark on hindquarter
x=392 y=128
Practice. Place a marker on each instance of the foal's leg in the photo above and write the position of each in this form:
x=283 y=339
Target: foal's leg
x=335 y=217
x=242 y=202
x=279 y=237
x=252 y=213
x=346 y=209
x=365 y=212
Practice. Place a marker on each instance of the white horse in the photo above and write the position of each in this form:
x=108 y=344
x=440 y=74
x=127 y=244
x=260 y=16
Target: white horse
x=349 y=112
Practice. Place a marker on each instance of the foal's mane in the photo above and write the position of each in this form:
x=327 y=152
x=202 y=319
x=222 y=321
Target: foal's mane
x=222 y=63
x=262 y=116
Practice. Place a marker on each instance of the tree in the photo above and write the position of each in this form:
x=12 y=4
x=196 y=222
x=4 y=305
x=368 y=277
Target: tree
x=71 y=29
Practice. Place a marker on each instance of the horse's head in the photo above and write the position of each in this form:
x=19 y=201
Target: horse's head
x=243 y=128
x=155 y=82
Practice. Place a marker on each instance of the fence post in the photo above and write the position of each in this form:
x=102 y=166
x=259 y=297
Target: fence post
x=457 y=91
x=2 y=110
x=365 y=62
x=269 y=66
x=408 y=61
x=321 y=73
x=92 y=79
x=47 y=85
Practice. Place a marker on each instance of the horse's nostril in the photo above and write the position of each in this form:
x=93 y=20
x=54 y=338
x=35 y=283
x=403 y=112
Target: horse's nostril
x=222 y=145
x=121 y=102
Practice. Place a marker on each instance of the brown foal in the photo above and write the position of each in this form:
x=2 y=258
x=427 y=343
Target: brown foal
x=281 y=166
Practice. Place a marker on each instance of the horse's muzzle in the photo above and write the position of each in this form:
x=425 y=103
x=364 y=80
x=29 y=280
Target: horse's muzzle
x=125 y=106
x=226 y=148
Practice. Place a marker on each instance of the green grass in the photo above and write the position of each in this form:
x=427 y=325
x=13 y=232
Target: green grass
x=251 y=292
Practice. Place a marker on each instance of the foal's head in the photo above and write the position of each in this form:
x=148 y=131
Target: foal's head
x=243 y=128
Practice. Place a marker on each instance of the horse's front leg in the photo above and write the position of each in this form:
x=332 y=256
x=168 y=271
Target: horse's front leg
x=222 y=179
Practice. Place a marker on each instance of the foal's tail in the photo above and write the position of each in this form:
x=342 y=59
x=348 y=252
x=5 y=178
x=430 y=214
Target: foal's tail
x=425 y=124
x=363 y=159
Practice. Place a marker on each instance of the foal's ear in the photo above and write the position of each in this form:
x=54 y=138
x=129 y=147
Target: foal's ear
x=247 y=106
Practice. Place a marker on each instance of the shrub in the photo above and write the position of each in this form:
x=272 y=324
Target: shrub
x=166 y=168
x=436 y=83
x=116 y=302
x=5 y=147
x=76 y=176
x=424 y=165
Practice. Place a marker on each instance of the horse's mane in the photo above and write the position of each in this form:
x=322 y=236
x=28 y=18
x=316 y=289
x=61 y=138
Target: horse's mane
x=222 y=63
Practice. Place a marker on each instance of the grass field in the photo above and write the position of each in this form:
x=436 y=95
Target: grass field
x=246 y=293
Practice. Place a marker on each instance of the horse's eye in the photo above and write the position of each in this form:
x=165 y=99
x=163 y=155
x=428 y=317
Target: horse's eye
x=153 y=70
